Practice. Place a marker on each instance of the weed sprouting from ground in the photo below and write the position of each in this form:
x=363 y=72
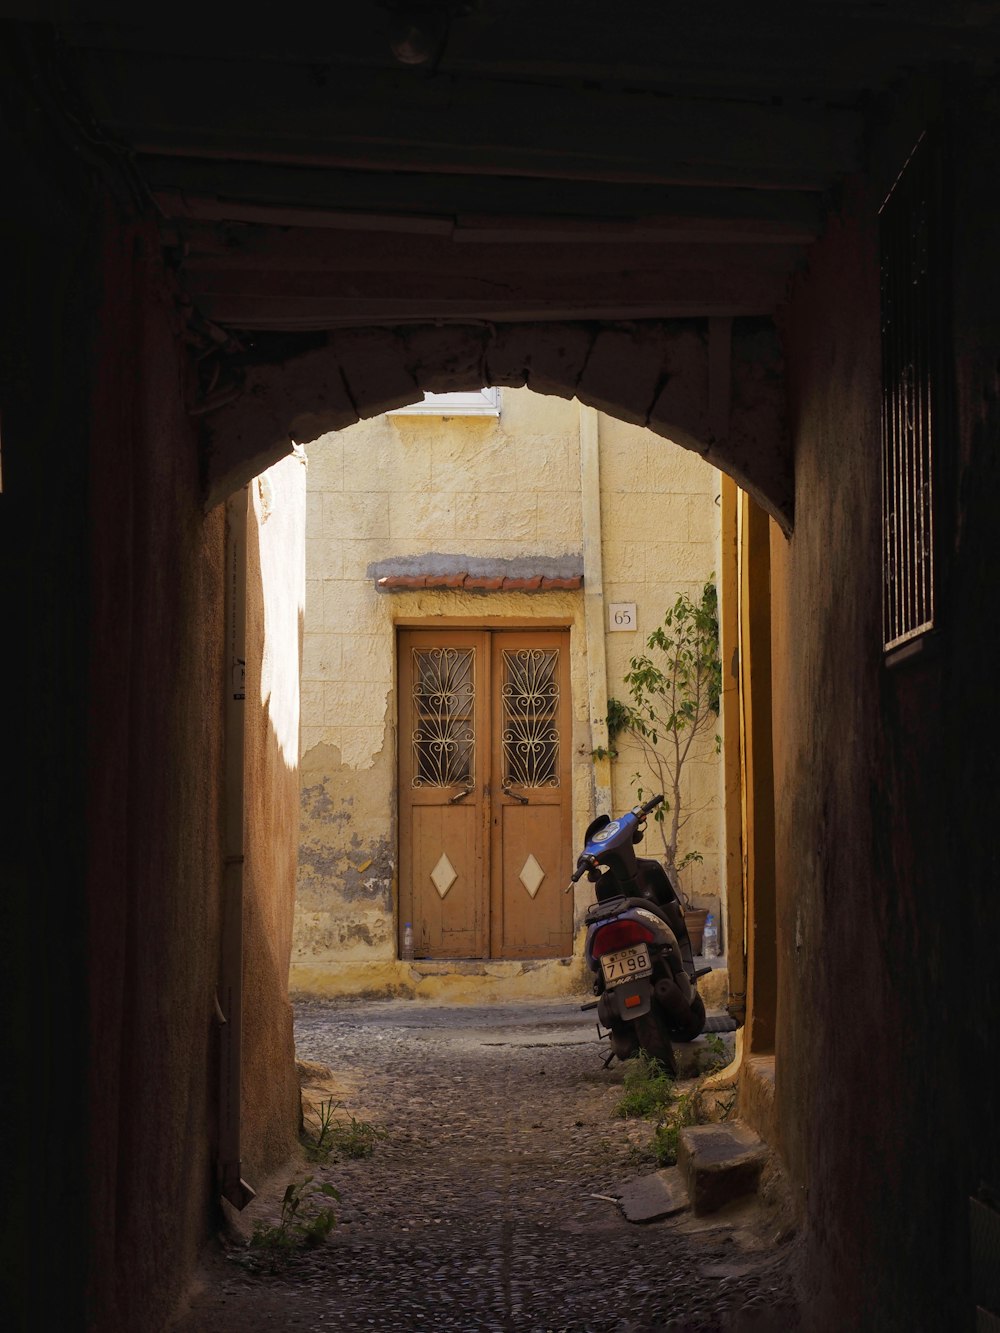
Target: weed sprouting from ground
x=719 y=1050
x=357 y=1138
x=648 y=1089
x=666 y=1139
x=307 y=1218
x=346 y=1136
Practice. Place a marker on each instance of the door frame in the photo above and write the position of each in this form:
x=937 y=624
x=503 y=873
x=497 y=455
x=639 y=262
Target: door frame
x=487 y=624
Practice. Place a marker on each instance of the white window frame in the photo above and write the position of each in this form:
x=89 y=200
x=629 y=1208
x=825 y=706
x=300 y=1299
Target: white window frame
x=477 y=403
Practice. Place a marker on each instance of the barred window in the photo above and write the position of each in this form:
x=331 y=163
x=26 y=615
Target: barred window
x=910 y=324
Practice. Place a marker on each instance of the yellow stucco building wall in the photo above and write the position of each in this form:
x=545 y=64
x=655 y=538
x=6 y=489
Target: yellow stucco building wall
x=501 y=488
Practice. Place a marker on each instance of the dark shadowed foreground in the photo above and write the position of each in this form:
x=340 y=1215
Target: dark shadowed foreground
x=491 y=1203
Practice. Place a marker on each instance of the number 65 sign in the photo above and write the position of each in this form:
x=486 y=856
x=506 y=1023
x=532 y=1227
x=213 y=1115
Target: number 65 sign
x=621 y=616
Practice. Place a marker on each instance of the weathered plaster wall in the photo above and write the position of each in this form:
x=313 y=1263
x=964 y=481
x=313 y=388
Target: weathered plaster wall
x=660 y=538
x=399 y=486
x=887 y=795
x=275 y=599
x=405 y=486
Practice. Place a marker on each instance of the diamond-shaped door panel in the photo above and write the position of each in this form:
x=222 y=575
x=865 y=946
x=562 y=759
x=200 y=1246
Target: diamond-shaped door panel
x=531 y=875
x=443 y=875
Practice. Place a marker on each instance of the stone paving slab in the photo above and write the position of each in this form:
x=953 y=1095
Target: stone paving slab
x=653 y=1197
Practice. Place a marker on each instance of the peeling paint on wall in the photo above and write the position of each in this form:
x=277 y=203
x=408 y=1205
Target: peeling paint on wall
x=347 y=869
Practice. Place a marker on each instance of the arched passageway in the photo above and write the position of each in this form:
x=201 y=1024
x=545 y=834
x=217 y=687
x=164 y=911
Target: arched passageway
x=678 y=378
x=713 y=385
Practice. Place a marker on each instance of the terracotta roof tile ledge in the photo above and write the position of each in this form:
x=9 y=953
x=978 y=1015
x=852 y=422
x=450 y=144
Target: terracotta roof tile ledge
x=478 y=573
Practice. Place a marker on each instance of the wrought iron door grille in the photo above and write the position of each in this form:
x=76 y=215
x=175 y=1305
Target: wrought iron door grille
x=910 y=320
x=444 y=730
x=530 y=696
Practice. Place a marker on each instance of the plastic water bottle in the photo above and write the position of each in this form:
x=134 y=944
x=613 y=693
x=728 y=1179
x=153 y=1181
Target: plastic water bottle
x=710 y=939
x=408 y=943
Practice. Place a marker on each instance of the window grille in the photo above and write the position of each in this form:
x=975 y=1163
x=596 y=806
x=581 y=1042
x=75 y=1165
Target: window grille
x=910 y=321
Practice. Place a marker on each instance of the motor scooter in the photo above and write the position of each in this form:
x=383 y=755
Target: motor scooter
x=637 y=945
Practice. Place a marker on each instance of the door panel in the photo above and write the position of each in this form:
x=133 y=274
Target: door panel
x=484 y=792
x=531 y=882
x=445 y=858
x=442 y=716
x=531 y=916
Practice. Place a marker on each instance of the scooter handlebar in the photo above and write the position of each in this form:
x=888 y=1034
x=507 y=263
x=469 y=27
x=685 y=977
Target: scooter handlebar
x=651 y=805
x=583 y=865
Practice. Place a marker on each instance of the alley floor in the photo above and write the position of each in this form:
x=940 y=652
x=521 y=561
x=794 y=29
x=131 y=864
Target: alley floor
x=490 y=1202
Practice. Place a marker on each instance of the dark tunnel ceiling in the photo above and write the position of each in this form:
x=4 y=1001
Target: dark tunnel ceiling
x=587 y=161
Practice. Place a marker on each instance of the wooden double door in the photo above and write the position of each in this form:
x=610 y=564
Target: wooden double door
x=484 y=792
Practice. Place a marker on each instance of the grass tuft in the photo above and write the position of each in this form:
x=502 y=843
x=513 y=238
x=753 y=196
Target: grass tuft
x=647 y=1090
x=345 y=1136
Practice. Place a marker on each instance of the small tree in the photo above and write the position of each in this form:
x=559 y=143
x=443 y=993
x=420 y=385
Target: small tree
x=674 y=693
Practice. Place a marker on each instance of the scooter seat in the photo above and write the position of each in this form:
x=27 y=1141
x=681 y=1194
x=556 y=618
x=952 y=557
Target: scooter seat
x=601 y=911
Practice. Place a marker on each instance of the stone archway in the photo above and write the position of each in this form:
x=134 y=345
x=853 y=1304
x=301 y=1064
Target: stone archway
x=714 y=385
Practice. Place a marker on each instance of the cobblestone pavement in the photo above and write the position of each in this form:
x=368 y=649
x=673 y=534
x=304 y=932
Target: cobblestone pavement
x=490 y=1205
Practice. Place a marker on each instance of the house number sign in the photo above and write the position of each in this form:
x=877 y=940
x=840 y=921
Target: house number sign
x=621 y=616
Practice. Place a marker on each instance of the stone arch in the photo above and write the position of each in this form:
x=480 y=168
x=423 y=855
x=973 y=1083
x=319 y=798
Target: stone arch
x=715 y=386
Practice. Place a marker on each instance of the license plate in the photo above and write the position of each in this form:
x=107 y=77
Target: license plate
x=626 y=964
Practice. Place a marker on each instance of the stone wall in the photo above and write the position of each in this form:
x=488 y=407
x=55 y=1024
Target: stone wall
x=886 y=789
x=154 y=803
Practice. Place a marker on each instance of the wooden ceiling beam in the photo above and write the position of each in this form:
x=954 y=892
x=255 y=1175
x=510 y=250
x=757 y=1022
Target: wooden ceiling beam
x=281 y=300
x=388 y=121
x=366 y=261
x=247 y=251
x=466 y=206
x=260 y=315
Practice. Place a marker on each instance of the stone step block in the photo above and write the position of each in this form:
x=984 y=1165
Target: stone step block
x=720 y=1163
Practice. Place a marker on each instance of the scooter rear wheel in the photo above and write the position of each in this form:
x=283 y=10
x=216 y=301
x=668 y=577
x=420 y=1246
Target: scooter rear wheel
x=654 y=1039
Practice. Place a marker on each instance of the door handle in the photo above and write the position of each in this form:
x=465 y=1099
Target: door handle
x=514 y=796
x=460 y=795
